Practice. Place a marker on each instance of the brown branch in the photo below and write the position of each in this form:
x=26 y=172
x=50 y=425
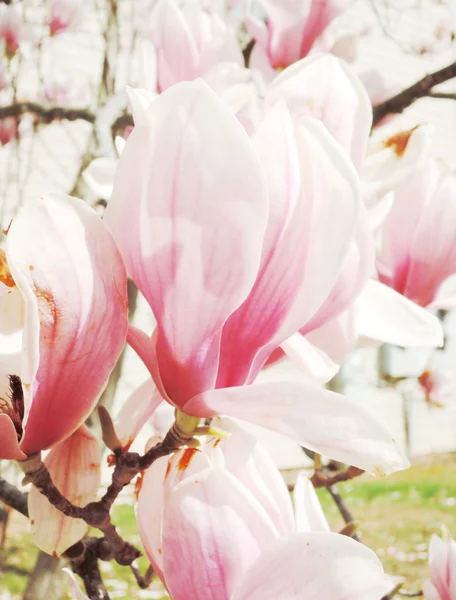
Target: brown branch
x=343 y=509
x=442 y=95
x=322 y=479
x=247 y=52
x=420 y=89
x=46 y=114
x=13 y=497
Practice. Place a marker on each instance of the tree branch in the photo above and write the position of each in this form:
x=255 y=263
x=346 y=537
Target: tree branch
x=46 y=115
x=13 y=497
x=420 y=89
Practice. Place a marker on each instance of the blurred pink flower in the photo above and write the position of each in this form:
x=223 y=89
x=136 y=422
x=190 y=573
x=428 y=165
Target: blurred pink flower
x=291 y=27
x=65 y=15
x=11 y=28
x=8 y=130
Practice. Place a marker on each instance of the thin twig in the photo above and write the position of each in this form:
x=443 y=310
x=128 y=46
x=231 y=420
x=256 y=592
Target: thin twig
x=46 y=114
x=343 y=509
x=420 y=89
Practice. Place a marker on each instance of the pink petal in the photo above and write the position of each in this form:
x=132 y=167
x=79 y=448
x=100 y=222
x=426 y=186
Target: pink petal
x=309 y=515
x=336 y=337
x=193 y=258
x=433 y=248
x=74 y=466
x=383 y=314
x=136 y=411
x=246 y=459
x=325 y=88
x=73 y=280
x=318 y=419
x=442 y=567
x=314 y=566
x=315 y=363
x=177 y=53
x=212 y=531
x=149 y=513
x=307 y=210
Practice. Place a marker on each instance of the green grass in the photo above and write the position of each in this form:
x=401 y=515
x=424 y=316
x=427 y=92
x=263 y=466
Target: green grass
x=397 y=516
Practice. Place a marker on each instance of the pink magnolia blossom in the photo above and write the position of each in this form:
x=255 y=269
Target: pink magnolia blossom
x=189 y=40
x=8 y=130
x=442 y=570
x=291 y=27
x=74 y=465
x=11 y=28
x=64 y=15
x=73 y=282
x=218 y=523
x=418 y=238
x=225 y=236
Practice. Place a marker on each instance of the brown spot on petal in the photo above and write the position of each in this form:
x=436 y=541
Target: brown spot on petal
x=49 y=314
x=399 y=141
x=111 y=460
x=5 y=273
x=186 y=458
x=54 y=554
x=32 y=522
x=138 y=484
x=31 y=267
x=217 y=442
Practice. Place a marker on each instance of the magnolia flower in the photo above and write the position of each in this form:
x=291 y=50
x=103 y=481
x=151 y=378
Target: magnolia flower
x=418 y=239
x=75 y=321
x=189 y=40
x=11 y=28
x=218 y=522
x=226 y=239
x=64 y=15
x=442 y=570
x=291 y=27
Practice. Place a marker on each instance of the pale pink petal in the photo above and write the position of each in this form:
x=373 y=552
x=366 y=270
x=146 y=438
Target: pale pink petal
x=99 y=176
x=74 y=466
x=309 y=515
x=148 y=67
x=225 y=528
x=139 y=101
x=177 y=54
x=336 y=337
x=430 y=592
x=73 y=280
x=394 y=160
x=136 y=411
x=190 y=224
x=144 y=346
x=74 y=586
x=383 y=314
x=149 y=513
x=314 y=566
x=442 y=567
x=250 y=463
x=325 y=88
x=312 y=361
x=323 y=421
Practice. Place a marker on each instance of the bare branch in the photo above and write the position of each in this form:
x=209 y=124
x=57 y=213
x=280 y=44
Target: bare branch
x=442 y=95
x=46 y=114
x=420 y=89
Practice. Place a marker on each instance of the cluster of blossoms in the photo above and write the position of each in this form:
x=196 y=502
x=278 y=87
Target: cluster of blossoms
x=247 y=205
